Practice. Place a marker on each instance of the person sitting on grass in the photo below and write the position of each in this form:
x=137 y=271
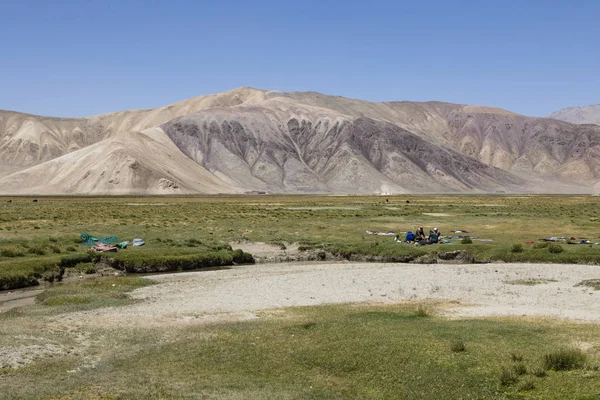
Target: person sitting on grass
x=410 y=237
x=433 y=237
x=420 y=234
x=438 y=233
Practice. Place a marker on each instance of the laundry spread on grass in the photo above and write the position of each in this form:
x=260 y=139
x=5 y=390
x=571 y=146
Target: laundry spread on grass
x=102 y=245
x=103 y=248
x=89 y=240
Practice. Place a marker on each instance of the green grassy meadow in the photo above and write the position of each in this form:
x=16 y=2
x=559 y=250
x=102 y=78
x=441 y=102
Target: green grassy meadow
x=350 y=351
x=35 y=236
x=327 y=352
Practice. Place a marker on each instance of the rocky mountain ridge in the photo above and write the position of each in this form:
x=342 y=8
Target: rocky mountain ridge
x=579 y=115
x=300 y=142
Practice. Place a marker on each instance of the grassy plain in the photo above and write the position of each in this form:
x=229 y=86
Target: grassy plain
x=329 y=352
x=34 y=236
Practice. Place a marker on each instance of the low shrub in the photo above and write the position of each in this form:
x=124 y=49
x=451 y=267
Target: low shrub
x=555 y=248
x=55 y=249
x=516 y=248
x=516 y=357
x=466 y=240
x=541 y=245
x=564 y=360
x=71 y=249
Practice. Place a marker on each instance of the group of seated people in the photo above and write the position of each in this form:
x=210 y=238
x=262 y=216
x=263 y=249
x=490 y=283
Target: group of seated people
x=420 y=238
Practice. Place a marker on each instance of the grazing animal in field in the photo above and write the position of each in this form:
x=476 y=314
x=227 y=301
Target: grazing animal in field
x=407 y=201
x=9 y=201
x=35 y=200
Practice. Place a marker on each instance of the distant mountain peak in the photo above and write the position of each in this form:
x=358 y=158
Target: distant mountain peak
x=579 y=114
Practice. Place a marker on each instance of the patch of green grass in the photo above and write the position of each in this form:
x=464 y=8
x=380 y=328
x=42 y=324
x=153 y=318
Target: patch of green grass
x=458 y=346
x=516 y=248
x=565 y=359
x=555 y=248
x=530 y=281
x=508 y=376
x=527 y=385
x=331 y=352
x=592 y=283
x=422 y=311
x=66 y=300
x=11 y=252
x=90 y=293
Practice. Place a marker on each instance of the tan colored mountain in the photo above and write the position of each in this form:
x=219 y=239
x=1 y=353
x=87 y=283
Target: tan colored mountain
x=249 y=139
x=579 y=115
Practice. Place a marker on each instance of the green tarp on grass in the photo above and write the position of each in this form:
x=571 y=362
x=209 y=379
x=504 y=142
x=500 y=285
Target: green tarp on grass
x=89 y=240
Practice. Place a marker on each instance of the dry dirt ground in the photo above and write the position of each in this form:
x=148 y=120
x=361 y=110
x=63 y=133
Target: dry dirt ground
x=246 y=292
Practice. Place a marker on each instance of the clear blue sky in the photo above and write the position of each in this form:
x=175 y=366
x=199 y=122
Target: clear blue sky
x=85 y=57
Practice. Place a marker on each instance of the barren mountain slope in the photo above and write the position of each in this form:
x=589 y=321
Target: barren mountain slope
x=526 y=145
x=299 y=148
x=138 y=162
x=27 y=140
x=579 y=115
x=250 y=139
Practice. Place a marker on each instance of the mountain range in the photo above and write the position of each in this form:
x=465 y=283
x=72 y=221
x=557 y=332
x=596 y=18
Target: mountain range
x=250 y=140
x=579 y=115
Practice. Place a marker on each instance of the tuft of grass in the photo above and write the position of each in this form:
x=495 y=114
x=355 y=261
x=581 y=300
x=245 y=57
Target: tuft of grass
x=516 y=357
x=466 y=240
x=530 y=281
x=85 y=268
x=540 y=245
x=539 y=372
x=520 y=369
x=508 y=376
x=40 y=251
x=527 y=385
x=11 y=252
x=458 y=346
x=592 y=283
x=555 y=248
x=516 y=248
x=422 y=312
x=565 y=359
